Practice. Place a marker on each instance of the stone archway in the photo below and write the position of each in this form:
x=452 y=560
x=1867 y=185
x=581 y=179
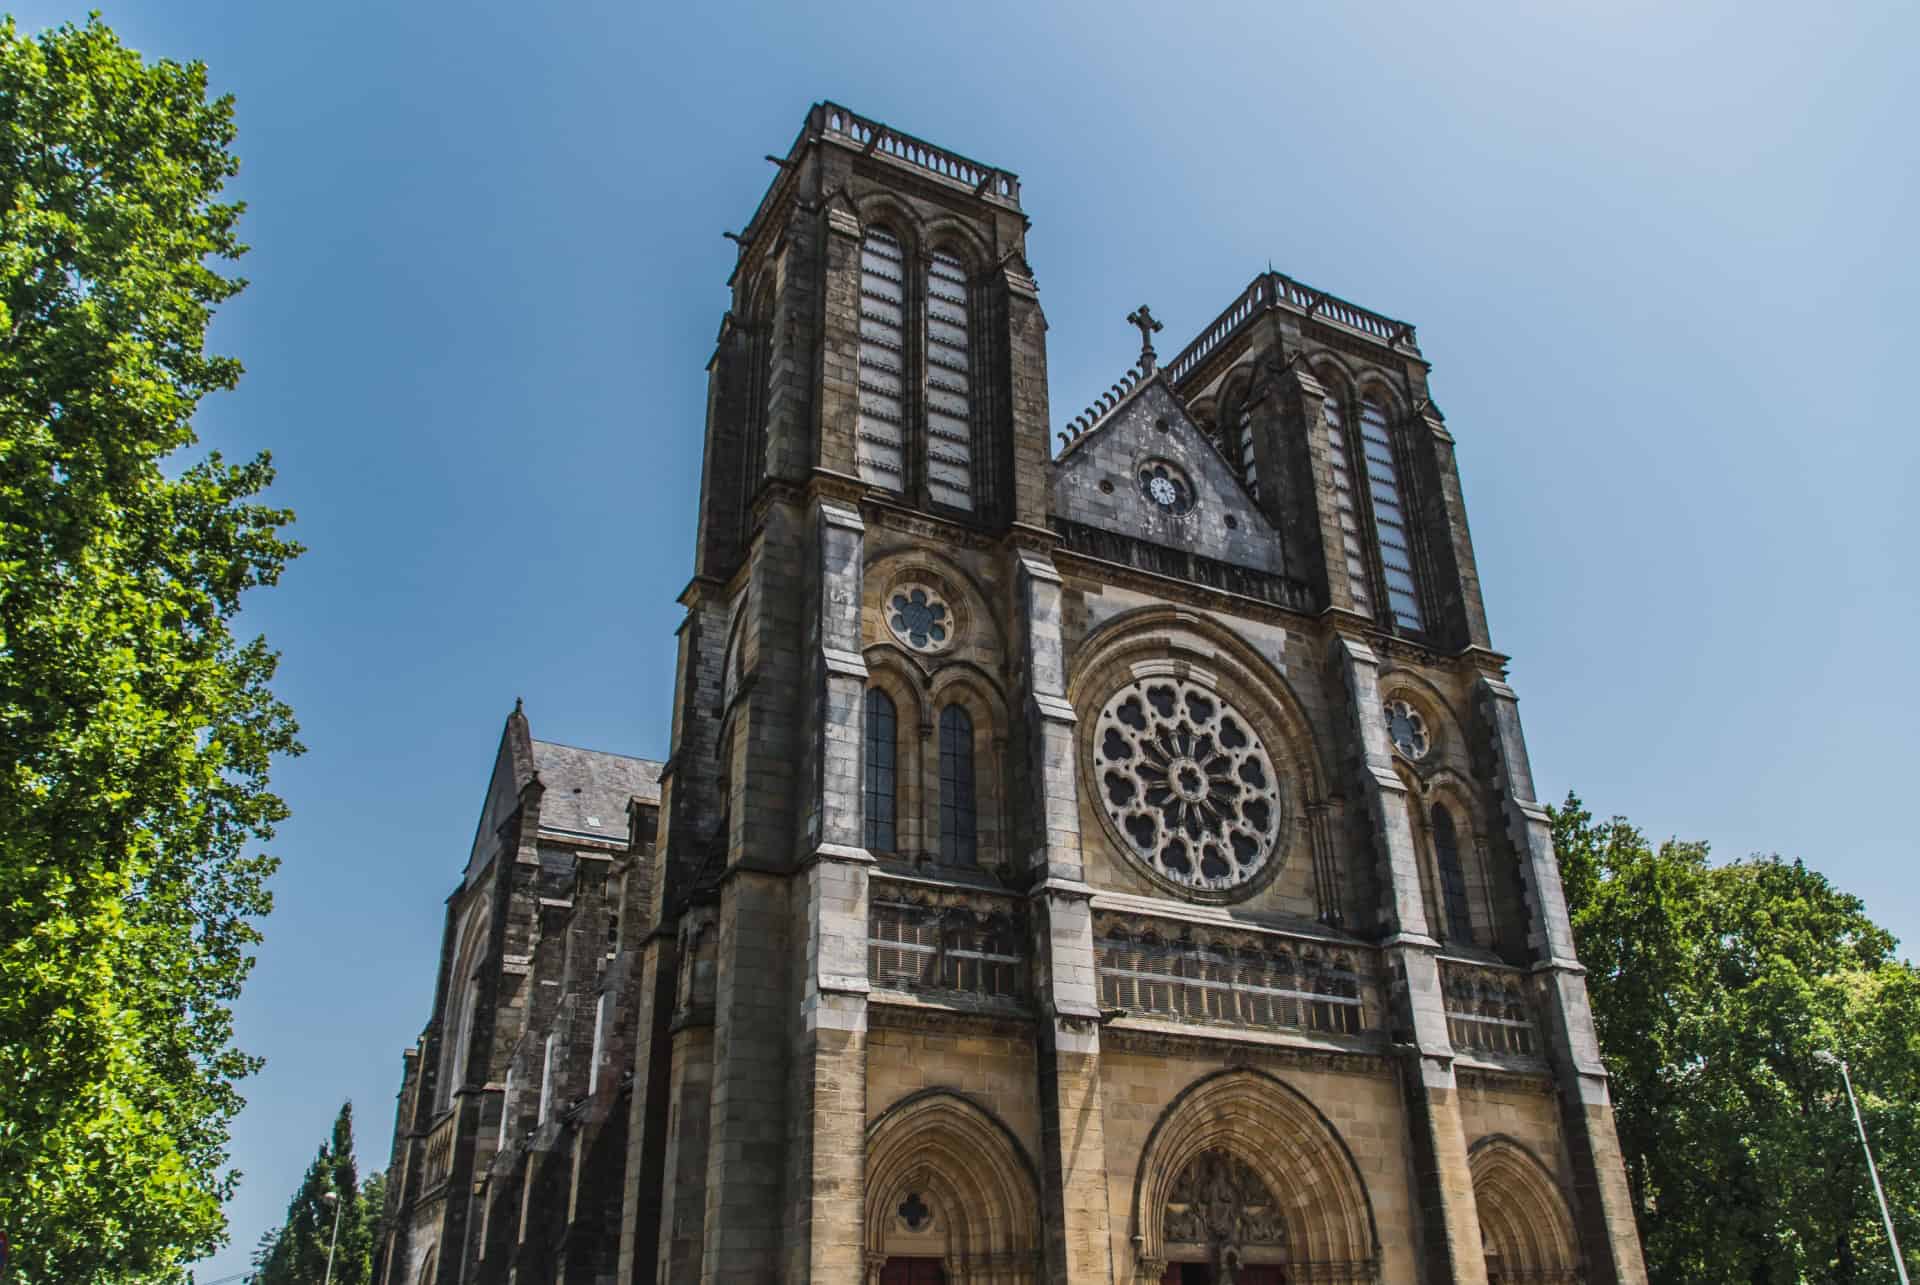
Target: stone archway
x=947 y=1182
x=1526 y=1230
x=1243 y=1173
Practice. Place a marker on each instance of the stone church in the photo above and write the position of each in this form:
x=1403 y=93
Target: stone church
x=1091 y=854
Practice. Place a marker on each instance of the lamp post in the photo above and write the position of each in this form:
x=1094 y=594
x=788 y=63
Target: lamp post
x=334 y=1200
x=1899 y=1263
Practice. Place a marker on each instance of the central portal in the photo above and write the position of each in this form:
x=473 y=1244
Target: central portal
x=1205 y=1274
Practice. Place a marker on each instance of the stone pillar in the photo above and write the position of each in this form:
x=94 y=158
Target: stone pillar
x=1603 y=1204
x=1066 y=988
x=826 y=1140
x=1449 y=1224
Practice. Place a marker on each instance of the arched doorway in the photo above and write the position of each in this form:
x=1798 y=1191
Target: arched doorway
x=1243 y=1181
x=1526 y=1230
x=951 y=1197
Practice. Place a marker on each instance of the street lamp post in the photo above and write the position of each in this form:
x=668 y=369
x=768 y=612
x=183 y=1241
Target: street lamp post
x=1873 y=1172
x=334 y=1200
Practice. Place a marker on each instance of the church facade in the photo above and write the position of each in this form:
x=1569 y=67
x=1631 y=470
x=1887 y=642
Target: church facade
x=1105 y=854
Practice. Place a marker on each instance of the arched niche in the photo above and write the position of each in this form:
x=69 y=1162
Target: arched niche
x=1254 y=1135
x=1526 y=1230
x=946 y=1180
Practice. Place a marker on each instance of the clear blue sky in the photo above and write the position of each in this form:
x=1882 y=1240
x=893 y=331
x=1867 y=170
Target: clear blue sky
x=1661 y=256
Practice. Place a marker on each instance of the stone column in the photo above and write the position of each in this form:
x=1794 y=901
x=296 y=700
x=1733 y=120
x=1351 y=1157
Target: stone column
x=1449 y=1223
x=1603 y=1204
x=827 y=1123
x=1066 y=989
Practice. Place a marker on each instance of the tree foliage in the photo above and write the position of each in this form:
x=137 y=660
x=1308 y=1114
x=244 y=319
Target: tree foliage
x=1714 y=988
x=136 y=729
x=295 y=1253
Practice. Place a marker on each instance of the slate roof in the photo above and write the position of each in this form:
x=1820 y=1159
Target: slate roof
x=587 y=790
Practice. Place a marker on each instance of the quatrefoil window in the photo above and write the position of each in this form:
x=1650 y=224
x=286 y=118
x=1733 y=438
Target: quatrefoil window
x=919 y=618
x=1407 y=730
x=914 y=1212
x=1166 y=486
x=1187 y=783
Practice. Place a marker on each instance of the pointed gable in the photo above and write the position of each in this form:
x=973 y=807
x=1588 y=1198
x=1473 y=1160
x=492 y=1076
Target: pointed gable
x=1098 y=482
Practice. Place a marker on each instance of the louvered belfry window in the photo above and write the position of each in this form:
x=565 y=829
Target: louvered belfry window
x=959 y=841
x=1249 y=467
x=1389 y=516
x=949 y=385
x=880 y=451
x=1343 y=490
x=880 y=783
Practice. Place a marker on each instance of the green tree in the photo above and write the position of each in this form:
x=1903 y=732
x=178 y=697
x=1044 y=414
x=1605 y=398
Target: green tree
x=1713 y=989
x=295 y=1253
x=136 y=729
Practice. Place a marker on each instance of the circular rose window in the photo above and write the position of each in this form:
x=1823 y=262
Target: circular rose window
x=1187 y=783
x=1406 y=729
x=919 y=618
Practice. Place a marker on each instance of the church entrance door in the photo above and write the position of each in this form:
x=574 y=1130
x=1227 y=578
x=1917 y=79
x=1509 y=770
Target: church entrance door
x=1203 y=1274
x=913 y=1271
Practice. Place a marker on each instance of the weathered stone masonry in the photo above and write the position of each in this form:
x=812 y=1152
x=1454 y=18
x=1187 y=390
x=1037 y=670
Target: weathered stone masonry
x=1092 y=854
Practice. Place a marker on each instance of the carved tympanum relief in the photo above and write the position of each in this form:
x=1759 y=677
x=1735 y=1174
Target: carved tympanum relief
x=1218 y=1201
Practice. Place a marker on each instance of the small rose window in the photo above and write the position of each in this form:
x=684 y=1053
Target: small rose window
x=1167 y=487
x=1407 y=730
x=919 y=618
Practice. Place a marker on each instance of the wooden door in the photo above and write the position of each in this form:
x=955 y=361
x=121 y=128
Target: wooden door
x=913 y=1271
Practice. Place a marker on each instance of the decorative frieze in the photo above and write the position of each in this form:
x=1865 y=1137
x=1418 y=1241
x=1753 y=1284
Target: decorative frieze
x=1487 y=1009
x=1231 y=977
x=946 y=942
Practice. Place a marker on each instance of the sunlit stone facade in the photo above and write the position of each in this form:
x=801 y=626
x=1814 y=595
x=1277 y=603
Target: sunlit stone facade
x=1099 y=853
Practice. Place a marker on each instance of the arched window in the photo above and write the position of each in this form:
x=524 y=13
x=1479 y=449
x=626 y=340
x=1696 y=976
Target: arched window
x=1390 y=525
x=1355 y=552
x=880 y=783
x=949 y=385
x=880 y=446
x=1453 y=876
x=959 y=843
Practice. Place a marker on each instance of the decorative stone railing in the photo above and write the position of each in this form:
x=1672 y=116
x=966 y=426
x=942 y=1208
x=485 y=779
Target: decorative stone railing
x=1488 y=1009
x=437 y=1155
x=946 y=943
x=1231 y=977
x=1273 y=290
x=1193 y=568
x=872 y=136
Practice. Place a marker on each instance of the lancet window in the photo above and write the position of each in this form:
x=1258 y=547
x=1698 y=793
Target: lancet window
x=882 y=778
x=959 y=823
x=1390 y=526
x=1453 y=876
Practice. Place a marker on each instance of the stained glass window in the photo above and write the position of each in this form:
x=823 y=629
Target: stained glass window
x=880 y=783
x=959 y=843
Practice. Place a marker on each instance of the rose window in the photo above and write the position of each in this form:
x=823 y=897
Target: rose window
x=1183 y=777
x=1407 y=730
x=1166 y=486
x=918 y=618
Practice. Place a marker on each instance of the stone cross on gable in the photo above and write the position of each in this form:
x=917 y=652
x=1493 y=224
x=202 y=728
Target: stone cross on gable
x=1143 y=318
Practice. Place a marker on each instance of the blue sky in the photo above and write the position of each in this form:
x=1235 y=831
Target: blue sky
x=1660 y=256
